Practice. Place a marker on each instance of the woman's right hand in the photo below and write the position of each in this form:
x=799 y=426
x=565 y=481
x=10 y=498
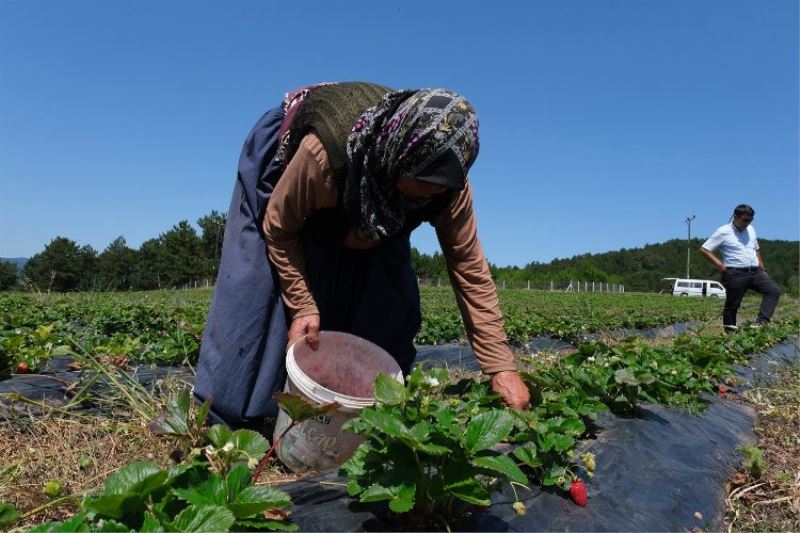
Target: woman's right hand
x=305 y=325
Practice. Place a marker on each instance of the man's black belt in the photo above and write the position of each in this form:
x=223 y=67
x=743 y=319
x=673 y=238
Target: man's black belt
x=743 y=269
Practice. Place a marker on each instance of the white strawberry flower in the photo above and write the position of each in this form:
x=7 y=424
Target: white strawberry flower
x=430 y=380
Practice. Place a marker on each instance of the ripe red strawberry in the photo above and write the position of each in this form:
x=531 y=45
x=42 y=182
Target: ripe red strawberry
x=577 y=490
x=723 y=389
x=22 y=368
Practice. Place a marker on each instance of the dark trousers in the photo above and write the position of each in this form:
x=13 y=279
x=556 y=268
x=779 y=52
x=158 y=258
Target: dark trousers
x=736 y=283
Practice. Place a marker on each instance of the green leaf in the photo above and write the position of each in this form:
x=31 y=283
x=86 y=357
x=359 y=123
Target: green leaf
x=434 y=449
x=202 y=413
x=404 y=499
x=116 y=505
x=250 y=442
x=111 y=526
x=151 y=524
x=206 y=518
x=210 y=492
x=501 y=464
x=354 y=467
x=386 y=423
x=175 y=419
x=237 y=480
x=178 y=470
x=561 y=443
x=573 y=426
x=300 y=409
x=219 y=435
x=470 y=491
x=388 y=390
x=553 y=475
x=527 y=454
x=62 y=350
x=377 y=493
x=647 y=378
x=142 y=477
x=487 y=429
x=256 y=499
x=421 y=431
x=8 y=514
x=76 y=523
x=353 y=488
x=624 y=376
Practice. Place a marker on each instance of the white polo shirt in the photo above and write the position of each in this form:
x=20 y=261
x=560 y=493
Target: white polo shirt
x=738 y=248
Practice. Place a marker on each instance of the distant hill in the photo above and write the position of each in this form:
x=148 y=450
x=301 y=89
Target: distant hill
x=19 y=261
x=641 y=269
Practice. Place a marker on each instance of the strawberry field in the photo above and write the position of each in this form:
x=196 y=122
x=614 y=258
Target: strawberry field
x=166 y=327
x=115 y=453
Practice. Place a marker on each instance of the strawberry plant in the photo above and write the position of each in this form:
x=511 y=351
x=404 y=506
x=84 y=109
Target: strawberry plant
x=8 y=514
x=177 y=419
x=214 y=491
x=143 y=497
x=299 y=410
x=430 y=448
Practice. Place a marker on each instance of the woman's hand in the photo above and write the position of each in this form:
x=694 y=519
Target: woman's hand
x=511 y=388
x=305 y=325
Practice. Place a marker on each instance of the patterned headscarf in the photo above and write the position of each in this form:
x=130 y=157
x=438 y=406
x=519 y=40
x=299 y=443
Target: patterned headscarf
x=430 y=135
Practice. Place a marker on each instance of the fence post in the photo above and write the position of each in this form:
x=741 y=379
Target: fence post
x=529 y=284
x=551 y=285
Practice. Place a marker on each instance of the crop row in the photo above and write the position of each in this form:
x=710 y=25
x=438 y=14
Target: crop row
x=434 y=449
x=166 y=326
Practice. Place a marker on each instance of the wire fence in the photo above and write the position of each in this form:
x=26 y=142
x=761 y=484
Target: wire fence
x=555 y=286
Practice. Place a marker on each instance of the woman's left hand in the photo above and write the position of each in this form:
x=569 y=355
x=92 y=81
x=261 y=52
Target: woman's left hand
x=512 y=389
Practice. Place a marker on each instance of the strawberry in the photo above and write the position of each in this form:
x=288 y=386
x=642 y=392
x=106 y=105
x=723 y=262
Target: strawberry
x=22 y=368
x=723 y=389
x=577 y=490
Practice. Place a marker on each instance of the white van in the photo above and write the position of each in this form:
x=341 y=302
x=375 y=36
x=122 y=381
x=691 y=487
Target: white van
x=696 y=287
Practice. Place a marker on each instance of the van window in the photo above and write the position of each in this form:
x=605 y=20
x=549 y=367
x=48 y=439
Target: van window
x=716 y=286
x=696 y=285
x=683 y=284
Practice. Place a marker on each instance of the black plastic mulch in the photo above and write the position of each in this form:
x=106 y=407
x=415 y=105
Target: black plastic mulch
x=658 y=471
x=55 y=384
x=662 y=470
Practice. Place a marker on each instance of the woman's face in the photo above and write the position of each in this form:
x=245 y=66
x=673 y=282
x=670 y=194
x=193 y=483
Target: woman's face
x=415 y=189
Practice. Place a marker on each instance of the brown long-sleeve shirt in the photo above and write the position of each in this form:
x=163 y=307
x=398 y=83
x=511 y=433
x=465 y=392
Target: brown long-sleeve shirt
x=308 y=184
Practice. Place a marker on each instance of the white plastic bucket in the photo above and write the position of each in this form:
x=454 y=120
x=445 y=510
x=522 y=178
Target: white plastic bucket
x=342 y=370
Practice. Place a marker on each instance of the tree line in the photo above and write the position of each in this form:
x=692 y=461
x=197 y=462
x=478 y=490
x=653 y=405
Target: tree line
x=183 y=256
x=177 y=257
x=638 y=269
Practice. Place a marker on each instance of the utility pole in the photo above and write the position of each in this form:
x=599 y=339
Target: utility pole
x=688 y=222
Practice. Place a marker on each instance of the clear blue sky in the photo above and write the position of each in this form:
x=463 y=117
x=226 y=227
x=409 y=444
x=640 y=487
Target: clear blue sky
x=604 y=124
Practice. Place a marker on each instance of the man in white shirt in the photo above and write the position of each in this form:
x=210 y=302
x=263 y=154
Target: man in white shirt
x=742 y=267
